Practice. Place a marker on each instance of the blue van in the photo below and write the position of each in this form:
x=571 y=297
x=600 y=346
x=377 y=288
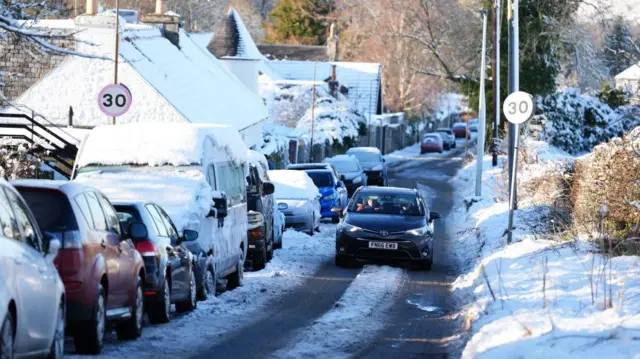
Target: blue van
x=329 y=186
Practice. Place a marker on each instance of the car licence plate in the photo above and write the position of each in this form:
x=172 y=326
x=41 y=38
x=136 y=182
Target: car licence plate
x=383 y=245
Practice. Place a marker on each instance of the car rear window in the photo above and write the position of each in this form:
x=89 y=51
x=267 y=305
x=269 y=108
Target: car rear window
x=346 y=166
x=321 y=179
x=51 y=208
x=128 y=215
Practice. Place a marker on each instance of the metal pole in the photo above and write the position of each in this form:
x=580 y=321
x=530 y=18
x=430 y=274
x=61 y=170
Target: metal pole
x=369 y=120
x=313 y=109
x=117 y=48
x=482 y=108
x=514 y=84
x=75 y=8
x=497 y=35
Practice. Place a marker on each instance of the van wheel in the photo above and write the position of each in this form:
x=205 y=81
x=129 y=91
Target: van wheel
x=57 y=346
x=191 y=303
x=270 y=250
x=208 y=287
x=7 y=337
x=234 y=280
x=159 y=311
x=132 y=327
x=89 y=336
x=260 y=259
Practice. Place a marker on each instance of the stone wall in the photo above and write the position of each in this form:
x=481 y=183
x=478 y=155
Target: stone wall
x=23 y=63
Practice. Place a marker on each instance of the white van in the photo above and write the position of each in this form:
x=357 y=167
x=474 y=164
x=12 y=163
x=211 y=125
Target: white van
x=195 y=172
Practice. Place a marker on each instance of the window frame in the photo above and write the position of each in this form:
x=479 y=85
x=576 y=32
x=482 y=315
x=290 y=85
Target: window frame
x=38 y=244
x=106 y=205
x=150 y=207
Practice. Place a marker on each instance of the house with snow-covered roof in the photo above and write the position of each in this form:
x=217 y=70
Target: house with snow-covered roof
x=629 y=80
x=169 y=75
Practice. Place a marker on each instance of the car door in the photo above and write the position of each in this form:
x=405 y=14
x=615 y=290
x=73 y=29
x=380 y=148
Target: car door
x=110 y=243
x=173 y=259
x=36 y=287
x=182 y=268
x=127 y=278
x=268 y=206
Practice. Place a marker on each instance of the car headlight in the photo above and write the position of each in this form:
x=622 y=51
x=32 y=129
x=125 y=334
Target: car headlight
x=329 y=196
x=357 y=180
x=377 y=168
x=419 y=232
x=350 y=228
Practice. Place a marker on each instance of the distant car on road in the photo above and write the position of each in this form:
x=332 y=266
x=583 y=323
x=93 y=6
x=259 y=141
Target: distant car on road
x=386 y=224
x=449 y=137
x=460 y=129
x=373 y=163
x=298 y=198
x=351 y=172
x=328 y=186
x=32 y=296
x=432 y=142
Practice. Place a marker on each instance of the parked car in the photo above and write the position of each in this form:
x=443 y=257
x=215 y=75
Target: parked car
x=449 y=138
x=102 y=271
x=278 y=225
x=460 y=129
x=373 y=164
x=473 y=125
x=260 y=199
x=258 y=255
x=317 y=166
x=432 y=142
x=197 y=173
x=386 y=223
x=32 y=296
x=329 y=186
x=351 y=173
x=168 y=264
x=298 y=198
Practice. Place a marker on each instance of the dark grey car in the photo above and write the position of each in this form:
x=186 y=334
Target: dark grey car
x=374 y=166
x=351 y=172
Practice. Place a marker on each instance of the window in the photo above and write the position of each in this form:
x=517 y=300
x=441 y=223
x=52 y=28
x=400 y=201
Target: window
x=51 y=208
x=211 y=177
x=157 y=220
x=99 y=222
x=81 y=201
x=385 y=203
x=29 y=234
x=113 y=223
x=166 y=220
x=128 y=215
x=321 y=179
x=232 y=182
x=7 y=219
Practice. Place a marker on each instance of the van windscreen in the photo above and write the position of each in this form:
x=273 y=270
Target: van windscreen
x=51 y=209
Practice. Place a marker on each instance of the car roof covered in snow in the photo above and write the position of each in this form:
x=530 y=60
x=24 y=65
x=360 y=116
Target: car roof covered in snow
x=363 y=149
x=157 y=144
x=291 y=184
x=67 y=187
x=339 y=158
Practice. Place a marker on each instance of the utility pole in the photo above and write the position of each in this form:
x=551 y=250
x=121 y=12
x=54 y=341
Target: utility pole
x=117 y=49
x=313 y=110
x=497 y=35
x=482 y=107
x=514 y=86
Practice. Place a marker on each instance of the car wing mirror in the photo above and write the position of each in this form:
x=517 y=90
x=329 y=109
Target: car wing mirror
x=188 y=235
x=54 y=247
x=268 y=188
x=220 y=205
x=433 y=216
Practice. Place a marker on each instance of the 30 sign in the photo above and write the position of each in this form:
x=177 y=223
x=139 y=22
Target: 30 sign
x=518 y=107
x=114 y=100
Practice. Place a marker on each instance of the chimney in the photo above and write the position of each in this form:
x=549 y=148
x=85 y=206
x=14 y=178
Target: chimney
x=169 y=25
x=332 y=44
x=161 y=6
x=92 y=7
x=333 y=83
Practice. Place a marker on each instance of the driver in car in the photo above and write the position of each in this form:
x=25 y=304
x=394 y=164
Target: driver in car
x=370 y=205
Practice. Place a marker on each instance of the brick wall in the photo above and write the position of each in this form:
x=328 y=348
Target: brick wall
x=24 y=63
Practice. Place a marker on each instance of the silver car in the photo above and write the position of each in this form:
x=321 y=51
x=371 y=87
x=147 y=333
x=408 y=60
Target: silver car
x=448 y=137
x=298 y=198
x=32 y=307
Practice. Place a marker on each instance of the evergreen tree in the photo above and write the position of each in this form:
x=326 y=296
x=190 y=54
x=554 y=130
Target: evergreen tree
x=299 y=21
x=619 y=52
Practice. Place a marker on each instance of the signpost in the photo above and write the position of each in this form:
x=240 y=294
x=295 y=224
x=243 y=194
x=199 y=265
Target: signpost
x=517 y=108
x=114 y=100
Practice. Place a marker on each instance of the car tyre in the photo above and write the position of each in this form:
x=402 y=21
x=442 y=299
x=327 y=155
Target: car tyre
x=209 y=285
x=335 y=220
x=132 y=328
x=271 y=245
x=7 y=336
x=191 y=303
x=260 y=260
x=234 y=280
x=159 y=311
x=89 y=336
x=57 y=345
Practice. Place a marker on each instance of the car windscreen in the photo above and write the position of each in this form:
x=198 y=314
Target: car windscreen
x=51 y=208
x=386 y=203
x=364 y=156
x=321 y=179
x=345 y=166
x=444 y=131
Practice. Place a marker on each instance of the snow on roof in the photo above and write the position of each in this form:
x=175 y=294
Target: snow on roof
x=255 y=157
x=167 y=84
x=247 y=47
x=632 y=73
x=340 y=158
x=334 y=121
x=364 y=149
x=157 y=144
x=291 y=184
x=362 y=79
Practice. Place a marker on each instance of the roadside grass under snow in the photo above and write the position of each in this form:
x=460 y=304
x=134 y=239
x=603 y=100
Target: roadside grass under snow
x=355 y=318
x=558 y=299
x=300 y=257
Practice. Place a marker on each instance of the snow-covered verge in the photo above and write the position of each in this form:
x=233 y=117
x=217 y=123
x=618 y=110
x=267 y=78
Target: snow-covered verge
x=332 y=335
x=300 y=257
x=539 y=296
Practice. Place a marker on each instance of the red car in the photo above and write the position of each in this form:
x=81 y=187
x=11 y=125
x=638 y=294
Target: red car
x=431 y=142
x=460 y=129
x=102 y=271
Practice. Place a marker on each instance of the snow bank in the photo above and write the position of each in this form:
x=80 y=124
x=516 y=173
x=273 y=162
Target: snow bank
x=538 y=298
x=368 y=296
x=293 y=185
x=157 y=144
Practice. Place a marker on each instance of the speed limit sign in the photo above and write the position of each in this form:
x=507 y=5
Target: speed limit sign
x=518 y=107
x=114 y=100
